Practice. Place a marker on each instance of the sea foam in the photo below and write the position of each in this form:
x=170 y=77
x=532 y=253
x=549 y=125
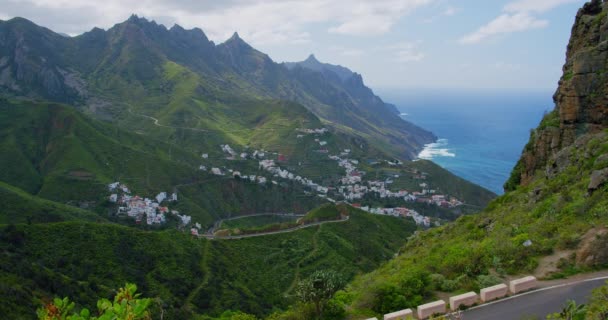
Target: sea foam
x=436 y=149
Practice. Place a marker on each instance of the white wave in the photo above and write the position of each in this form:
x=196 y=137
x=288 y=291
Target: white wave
x=403 y=114
x=436 y=149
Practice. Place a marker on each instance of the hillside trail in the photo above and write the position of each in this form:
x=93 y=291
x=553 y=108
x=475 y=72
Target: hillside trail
x=315 y=247
x=158 y=124
x=205 y=280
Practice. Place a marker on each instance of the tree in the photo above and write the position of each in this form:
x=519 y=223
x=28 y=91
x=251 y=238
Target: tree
x=598 y=304
x=571 y=311
x=319 y=288
x=126 y=305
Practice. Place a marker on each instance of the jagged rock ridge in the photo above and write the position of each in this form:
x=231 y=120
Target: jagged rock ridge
x=581 y=99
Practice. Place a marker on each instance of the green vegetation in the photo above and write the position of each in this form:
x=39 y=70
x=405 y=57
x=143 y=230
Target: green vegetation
x=597 y=309
x=126 y=305
x=19 y=206
x=188 y=275
x=326 y=212
x=554 y=214
x=257 y=221
x=318 y=288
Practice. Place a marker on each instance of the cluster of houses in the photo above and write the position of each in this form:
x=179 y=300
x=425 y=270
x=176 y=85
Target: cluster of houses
x=352 y=185
x=151 y=211
x=398 y=212
x=271 y=167
x=353 y=189
x=312 y=131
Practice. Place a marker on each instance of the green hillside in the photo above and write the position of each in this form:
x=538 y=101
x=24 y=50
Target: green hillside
x=187 y=275
x=559 y=216
x=20 y=207
x=552 y=223
x=56 y=153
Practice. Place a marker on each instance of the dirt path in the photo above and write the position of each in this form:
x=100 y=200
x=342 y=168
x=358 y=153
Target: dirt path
x=205 y=280
x=158 y=124
x=315 y=247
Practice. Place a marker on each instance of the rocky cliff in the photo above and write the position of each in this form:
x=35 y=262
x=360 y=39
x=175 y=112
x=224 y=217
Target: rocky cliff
x=581 y=100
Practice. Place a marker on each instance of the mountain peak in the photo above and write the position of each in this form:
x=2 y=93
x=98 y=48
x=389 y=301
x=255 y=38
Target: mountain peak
x=136 y=18
x=312 y=59
x=235 y=37
x=237 y=42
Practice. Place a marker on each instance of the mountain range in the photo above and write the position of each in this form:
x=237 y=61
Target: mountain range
x=139 y=65
x=166 y=110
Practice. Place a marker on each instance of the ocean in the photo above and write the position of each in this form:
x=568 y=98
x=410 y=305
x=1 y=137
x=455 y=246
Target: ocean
x=481 y=134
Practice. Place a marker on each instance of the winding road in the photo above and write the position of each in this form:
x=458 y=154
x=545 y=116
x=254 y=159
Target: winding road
x=536 y=304
x=212 y=237
x=156 y=123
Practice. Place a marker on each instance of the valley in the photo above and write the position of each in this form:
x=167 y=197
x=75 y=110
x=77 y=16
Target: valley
x=227 y=186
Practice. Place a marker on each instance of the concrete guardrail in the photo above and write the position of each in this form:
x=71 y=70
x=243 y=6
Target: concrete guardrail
x=429 y=309
x=399 y=315
x=494 y=292
x=467 y=299
x=523 y=284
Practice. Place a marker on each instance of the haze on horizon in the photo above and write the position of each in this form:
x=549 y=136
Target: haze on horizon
x=392 y=43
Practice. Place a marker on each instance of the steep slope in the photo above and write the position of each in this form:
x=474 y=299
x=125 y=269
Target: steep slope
x=187 y=275
x=552 y=223
x=581 y=106
x=54 y=152
x=19 y=206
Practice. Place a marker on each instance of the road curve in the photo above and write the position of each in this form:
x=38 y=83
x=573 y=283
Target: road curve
x=535 y=304
x=211 y=237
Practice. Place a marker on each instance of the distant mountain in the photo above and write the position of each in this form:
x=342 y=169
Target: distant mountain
x=313 y=64
x=127 y=68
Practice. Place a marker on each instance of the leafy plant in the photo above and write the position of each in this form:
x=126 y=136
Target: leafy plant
x=126 y=306
x=319 y=288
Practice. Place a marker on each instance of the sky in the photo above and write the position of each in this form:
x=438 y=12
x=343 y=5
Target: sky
x=394 y=44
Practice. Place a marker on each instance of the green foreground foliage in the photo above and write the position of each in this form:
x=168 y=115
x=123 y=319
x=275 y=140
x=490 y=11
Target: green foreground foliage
x=190 y=276
x=126 y=306
x=596 y=309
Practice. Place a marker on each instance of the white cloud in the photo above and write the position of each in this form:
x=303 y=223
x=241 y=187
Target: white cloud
x=257 y=21
x=450 y=11
x=538 y=6
x=505 y=23
x=405 y=52
x=517 y=16
x=372 y=17
x=347 y=52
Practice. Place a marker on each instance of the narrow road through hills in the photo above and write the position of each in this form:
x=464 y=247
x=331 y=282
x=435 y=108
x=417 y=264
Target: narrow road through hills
x=273 y=232
x=536 y=304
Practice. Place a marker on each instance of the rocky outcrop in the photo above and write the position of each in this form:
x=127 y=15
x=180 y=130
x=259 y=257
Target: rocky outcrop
x=598 y=179
x=581 y=99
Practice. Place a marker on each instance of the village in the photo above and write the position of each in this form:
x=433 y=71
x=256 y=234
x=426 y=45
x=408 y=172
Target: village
x=352 y=188
x=150 y=211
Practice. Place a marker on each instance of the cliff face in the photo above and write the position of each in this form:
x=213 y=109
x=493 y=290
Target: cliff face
x=581 y=99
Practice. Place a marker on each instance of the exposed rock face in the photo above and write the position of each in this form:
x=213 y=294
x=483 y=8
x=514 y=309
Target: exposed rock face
x=598 y=179
x=581 y=100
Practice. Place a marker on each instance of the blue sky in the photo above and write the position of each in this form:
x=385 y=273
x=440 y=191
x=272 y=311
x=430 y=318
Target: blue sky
x=518 y=44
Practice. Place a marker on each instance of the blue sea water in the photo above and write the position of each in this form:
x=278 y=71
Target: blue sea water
x=481 y=134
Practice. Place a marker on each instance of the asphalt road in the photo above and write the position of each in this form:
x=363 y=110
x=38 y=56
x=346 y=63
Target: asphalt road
x=536 y=304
